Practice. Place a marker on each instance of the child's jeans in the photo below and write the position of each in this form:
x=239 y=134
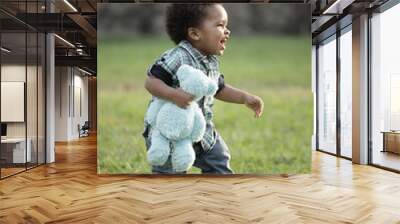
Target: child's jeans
x=216 y=160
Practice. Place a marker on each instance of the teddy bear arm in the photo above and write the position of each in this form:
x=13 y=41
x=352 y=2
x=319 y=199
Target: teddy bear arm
x=152 y=111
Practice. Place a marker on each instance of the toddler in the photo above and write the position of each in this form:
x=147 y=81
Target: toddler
x=201 y=34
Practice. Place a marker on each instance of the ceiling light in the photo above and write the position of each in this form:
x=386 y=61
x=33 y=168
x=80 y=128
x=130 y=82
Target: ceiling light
x=64 y=40
x=84 y=71
x=338 y=6
x=5 y=49
x=79 y=51
x=70 y=5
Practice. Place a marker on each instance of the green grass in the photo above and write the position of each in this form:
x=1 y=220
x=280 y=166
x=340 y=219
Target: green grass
x=275 y=68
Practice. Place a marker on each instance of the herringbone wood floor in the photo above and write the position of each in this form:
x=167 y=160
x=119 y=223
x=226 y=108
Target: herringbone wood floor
x=70 y=191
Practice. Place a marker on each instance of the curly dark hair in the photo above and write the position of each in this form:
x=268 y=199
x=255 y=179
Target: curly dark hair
x=182 y=16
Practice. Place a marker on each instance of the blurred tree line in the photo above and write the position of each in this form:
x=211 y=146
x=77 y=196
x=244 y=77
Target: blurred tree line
x=244 y=19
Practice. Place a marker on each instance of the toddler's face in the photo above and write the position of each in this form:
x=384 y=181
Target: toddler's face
x=213 y=31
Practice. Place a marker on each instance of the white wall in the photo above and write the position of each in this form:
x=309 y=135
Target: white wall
x=62 y=81
x=11 y=73
x=14 y=73
x=33 y=126
x=71 y=93
x=17 y=73
x=80 y=100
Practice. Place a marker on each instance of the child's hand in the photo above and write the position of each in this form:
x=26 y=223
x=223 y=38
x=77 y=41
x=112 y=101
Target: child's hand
x=181 y=98
x=255 y=103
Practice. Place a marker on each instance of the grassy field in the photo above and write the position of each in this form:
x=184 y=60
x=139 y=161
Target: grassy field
x=276 y=68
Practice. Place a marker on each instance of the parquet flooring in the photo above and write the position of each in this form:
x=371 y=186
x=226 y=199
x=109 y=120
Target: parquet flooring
x=70 y=191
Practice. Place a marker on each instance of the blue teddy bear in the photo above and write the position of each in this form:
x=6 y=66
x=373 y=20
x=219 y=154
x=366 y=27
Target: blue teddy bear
x=182 y=127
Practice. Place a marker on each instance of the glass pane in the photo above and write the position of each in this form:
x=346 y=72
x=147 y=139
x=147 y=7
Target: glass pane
x=14 y=153
x=31 y=85
x=41 y=98
x=327 y=96
x=386 y=89
x=31 y=100
x=346 y=94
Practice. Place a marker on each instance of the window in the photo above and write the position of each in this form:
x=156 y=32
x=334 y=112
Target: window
x=346 y=92
x=327 y=95
x=385 y=88
x=23 y=78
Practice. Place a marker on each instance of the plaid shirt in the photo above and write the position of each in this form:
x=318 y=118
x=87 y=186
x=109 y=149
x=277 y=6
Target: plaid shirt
x=185 y=53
